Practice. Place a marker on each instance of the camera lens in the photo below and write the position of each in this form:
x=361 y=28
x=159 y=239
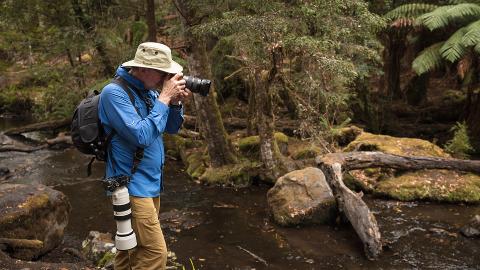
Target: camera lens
x=197 y=85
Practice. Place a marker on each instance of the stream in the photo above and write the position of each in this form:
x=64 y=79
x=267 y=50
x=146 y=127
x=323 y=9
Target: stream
x=226 y=228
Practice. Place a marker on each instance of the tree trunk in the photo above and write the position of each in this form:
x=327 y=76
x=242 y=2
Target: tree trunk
x=150 y=16
x=108 y=69
x=357 y=212
x=288 y=98
x=394 y=50
x=416 y=89
x=46 y=125
x=269 y=151
x=473 y=118
x=251 y=127
x=220 y=149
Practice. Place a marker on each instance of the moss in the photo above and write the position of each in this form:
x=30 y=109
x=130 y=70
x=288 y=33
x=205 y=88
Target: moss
x=306 y=152
x=239 y=174
x=106 y=259
x=195 y=163
x=436 y=185
x=394 y=145
x=250 y=146
x=36 y=202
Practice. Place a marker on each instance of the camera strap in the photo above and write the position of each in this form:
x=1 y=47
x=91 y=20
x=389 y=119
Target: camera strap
x=138 y=154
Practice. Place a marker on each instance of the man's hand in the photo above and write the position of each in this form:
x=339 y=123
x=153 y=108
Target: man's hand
x=172 y=88
x=182 y=97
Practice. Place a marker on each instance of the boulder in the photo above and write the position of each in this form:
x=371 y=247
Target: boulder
x=302 y=197
x=32 y=212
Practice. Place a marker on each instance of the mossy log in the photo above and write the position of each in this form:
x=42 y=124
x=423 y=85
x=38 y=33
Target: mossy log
x=355 y=209
x=47 y=125
x=366 y=159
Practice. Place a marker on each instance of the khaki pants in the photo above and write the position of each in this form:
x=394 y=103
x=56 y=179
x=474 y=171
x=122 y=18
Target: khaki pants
x=151 y=250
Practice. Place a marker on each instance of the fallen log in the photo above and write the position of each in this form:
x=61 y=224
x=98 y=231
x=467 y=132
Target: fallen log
x=22 y=243
x=352 y=205
x=21 y=148
x=364 y=159
x=47 y=125
x=60 y=139
x=355 y=209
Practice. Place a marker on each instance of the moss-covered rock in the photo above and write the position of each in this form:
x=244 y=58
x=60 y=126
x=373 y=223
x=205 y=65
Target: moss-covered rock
x=195 y=162
x=305 y=152
x=394 y=145
x=34 y=212
x=436 y=185
x=250 y=146
x=239 y=175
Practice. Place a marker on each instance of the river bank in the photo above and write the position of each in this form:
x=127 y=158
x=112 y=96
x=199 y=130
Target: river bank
x=227 y=228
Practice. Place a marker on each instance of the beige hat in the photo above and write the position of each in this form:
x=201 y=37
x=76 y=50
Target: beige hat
x=156 y=56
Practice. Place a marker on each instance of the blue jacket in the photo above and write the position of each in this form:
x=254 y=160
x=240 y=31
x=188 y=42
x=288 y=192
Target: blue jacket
x=132 y=130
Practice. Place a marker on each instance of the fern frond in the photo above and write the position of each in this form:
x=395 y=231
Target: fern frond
x=428 y=59
x=410 y=11
x=453 y=49
x=472 y=36
x=442 y=16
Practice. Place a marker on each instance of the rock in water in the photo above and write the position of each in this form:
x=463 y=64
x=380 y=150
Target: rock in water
x=472 y=229
x=302 y=197
x=99 y=248
x=33 y=212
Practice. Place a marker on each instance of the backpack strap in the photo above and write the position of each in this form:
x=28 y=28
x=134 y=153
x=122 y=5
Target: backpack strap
x=138 y=155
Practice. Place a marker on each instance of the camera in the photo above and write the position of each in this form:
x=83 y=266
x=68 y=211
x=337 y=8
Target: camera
x=197 y=85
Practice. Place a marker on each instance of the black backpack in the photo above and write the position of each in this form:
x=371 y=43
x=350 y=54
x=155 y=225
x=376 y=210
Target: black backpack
x=87 y=132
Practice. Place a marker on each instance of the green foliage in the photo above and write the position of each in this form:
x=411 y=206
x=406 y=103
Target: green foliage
x=459 y=145
x=325 y=46
x=428 y=59
x=409 y=11
x=463 y=16
x=16 y=100
x=445 y=15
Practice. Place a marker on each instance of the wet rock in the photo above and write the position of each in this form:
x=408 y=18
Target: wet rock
x=472 y=229
x=177 y=221
x=99 y=248
x=32 y=212
x=302 y=197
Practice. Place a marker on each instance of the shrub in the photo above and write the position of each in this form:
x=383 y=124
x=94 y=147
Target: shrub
x=459 y=146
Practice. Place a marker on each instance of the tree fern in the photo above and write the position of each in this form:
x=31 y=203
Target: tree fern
x=472 y=36
x=442 y=16
x=453 y=49
x=410 y=11
x=428 y=59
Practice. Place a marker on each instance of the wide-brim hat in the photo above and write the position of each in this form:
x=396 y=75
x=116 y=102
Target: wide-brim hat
x=155 y=56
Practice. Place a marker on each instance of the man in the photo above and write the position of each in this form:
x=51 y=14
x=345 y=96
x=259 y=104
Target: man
x=140 y=126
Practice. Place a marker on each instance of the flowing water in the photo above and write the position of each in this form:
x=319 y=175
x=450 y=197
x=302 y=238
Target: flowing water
x=224 y=228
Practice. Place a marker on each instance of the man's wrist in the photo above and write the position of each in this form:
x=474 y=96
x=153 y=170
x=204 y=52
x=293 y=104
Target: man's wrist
x=176 y=104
